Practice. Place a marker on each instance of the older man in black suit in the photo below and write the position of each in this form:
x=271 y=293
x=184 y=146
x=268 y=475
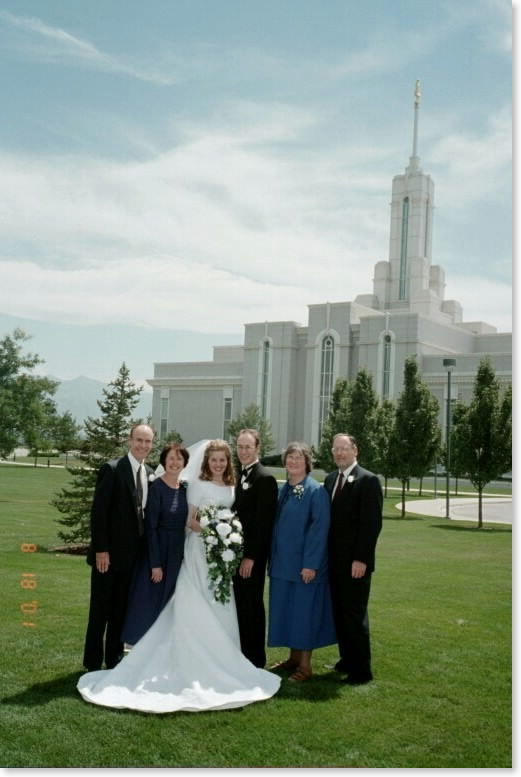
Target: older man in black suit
x=255 y=503
x=116 y=537
x=356 y=521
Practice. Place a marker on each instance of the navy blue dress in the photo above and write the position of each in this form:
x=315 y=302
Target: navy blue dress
x=166 y=512
x=301 y=615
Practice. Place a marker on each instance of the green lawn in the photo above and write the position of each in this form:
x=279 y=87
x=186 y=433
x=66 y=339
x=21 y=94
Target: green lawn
x=441 y=635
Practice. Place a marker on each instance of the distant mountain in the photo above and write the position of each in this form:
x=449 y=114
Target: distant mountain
x=79 y=396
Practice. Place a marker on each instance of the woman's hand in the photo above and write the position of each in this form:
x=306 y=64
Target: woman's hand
x=193 y=522
x=307 y=575
x=157 y=574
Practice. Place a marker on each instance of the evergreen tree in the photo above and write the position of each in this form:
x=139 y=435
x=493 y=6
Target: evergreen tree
x=65 y=433
x=483 y=433
x=250 y=418
x=25 y=399
x=105 y=438
x=172 y=436
x=416 y=434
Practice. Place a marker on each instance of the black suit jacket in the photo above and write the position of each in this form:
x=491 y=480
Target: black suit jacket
x=114 y=517
x=356 y=519
x=256 y=506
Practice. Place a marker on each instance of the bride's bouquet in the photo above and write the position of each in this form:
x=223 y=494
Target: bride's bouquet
x=221 y=532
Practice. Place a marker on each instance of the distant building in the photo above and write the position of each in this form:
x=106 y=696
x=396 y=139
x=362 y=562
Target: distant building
x=289 y=370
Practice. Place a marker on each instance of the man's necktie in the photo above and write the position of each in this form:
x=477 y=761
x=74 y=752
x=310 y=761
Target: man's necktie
x=139 y=501
x=244 y=475
x=339 y=484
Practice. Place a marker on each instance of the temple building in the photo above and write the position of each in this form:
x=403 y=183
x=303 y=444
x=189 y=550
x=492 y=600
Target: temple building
x=289 y=370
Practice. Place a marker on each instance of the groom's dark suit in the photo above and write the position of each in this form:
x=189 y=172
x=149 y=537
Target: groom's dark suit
x=356 y=522
x=255 y=505
x=115 y=528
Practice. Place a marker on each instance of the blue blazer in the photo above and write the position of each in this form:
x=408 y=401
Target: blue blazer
x=300 y=533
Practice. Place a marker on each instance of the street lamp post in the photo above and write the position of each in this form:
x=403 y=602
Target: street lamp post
x=449 y=365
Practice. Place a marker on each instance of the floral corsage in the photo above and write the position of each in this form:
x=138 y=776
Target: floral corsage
x=298 y=491
x=221 y=532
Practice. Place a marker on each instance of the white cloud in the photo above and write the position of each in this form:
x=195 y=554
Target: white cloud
x=224 y=227
x=44 y=43
x=472 y=166
x=482 y=299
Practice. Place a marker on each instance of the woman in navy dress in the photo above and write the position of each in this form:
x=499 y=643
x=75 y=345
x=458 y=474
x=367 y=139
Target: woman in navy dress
x=300 y=612
x=166 y=514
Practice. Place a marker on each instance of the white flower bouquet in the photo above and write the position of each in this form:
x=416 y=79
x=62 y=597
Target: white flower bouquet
x=221 y=533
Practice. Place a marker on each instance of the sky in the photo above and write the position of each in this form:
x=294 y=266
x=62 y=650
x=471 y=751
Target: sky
x=174 y=169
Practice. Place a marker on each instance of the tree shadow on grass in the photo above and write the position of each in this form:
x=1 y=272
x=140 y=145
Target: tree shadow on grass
x=42 y=693
x=488 y=529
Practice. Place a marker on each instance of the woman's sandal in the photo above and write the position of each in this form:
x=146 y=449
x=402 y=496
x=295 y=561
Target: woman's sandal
x=300 y=675
x=283 y=665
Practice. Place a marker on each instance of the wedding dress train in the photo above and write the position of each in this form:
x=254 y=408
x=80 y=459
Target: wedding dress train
x=190 y=658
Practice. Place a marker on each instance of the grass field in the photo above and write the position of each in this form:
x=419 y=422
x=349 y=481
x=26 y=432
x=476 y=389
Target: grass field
x=441 y=636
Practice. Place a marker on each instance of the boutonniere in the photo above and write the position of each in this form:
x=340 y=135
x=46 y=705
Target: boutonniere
x=298 y=491
x=151 y=477
x=245 y=485
x=350 y=478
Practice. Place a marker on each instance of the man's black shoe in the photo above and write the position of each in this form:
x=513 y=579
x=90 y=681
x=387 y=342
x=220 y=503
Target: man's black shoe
x=340 y=666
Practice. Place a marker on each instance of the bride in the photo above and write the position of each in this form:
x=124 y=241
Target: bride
x=190 y=658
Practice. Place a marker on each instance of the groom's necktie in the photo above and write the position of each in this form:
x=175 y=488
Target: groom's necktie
x=139 y=501
x=339 y=484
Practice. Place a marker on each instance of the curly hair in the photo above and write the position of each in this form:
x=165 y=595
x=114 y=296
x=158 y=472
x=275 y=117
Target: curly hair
x=218 y=446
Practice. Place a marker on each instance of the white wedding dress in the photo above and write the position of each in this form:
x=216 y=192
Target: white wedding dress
x=190 y=658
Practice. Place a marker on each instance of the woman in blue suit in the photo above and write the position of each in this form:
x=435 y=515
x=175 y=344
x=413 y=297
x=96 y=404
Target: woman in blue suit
x=300 y=612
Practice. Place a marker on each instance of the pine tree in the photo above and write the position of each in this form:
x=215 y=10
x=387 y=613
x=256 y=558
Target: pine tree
x=106 y=438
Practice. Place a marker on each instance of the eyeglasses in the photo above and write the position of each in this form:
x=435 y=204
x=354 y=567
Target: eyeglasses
x=245 y=447
x=342 y=449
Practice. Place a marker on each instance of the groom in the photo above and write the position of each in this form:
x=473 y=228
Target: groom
x=356 y=521
x=255 y=504
x=117 y=535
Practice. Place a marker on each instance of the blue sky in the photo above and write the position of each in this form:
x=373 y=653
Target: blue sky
x=173 y=169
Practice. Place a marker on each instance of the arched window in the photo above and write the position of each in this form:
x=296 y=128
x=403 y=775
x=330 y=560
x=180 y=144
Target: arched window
x=403 y=250
x=326 y=380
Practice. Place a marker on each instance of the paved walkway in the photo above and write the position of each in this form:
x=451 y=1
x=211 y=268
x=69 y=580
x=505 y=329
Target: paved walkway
x=495 y=509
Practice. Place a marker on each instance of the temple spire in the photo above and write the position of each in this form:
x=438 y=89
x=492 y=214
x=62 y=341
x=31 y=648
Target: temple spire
x=414 y=159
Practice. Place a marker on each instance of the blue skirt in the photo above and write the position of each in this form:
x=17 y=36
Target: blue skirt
x=300 y=615
x=147 y=599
